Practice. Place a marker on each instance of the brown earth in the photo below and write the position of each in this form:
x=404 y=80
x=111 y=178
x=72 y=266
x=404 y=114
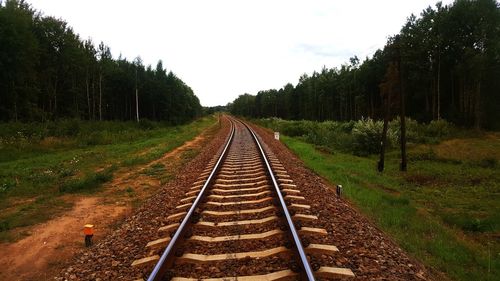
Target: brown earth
x=50 y=245
x=364 y=248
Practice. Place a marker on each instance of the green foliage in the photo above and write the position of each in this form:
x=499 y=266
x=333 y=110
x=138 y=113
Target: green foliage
x=21 y=136
x=47 y=72
x=448 y=59
x=367 y=135
x=431 y=133
x=361 y=137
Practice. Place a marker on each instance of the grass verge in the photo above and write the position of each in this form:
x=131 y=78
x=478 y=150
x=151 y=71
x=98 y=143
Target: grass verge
x=33 y=181
x=428 y=210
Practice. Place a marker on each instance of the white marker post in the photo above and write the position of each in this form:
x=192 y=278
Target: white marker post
x=277 y=135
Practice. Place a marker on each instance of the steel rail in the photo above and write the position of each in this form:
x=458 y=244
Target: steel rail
x=160 y=268
x=300 y=249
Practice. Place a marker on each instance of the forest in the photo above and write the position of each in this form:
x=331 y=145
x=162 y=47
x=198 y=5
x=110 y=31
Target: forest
x=445 y=64
x=47 y=72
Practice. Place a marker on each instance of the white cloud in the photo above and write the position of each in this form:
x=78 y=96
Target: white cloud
x=226 y=48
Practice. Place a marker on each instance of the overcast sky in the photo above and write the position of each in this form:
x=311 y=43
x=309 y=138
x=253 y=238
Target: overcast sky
x=226 y=48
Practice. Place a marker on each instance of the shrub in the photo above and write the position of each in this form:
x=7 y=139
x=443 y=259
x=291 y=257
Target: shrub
x=439 y=130
x=367 y=135
x=361 y=137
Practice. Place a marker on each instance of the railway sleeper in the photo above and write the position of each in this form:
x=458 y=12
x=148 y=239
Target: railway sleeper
x=240 y=184
x=242 y=179
x=241 y=189
x=222 y=197
x=238 y=212
x=316 y=249
x=236 y=223
x=237 y=203
x=236 y=175
x=283 y=275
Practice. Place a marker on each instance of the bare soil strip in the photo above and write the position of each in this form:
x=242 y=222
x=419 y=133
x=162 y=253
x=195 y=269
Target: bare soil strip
x=47 y=249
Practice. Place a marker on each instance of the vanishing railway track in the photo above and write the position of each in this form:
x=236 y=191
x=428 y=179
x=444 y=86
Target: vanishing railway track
x=244 y=219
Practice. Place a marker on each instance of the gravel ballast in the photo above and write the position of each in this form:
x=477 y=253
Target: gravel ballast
x=363 y=248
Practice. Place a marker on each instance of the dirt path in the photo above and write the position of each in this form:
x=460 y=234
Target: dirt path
x=51 y=245
x=35 y=257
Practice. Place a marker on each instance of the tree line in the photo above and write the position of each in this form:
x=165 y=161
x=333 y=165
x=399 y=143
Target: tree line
x=48 y=72
x=448 y=66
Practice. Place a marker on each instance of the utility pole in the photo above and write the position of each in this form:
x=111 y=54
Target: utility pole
x=136 y=96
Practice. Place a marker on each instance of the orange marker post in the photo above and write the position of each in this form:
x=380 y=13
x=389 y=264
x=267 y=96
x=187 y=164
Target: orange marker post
x=88 y=230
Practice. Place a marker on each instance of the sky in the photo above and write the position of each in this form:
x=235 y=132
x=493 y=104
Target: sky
x=223 y=49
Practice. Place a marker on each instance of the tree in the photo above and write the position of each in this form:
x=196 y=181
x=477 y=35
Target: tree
x=48 y=72
x=388 y=90
x=449 y=69
x=138 y=65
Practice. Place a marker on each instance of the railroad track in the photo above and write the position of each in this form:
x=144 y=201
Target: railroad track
x=244 y=219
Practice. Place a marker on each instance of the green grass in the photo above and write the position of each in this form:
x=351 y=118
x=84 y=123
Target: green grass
x=443 y=211
x=87 y=183
x=32 y=212
x=34 y=168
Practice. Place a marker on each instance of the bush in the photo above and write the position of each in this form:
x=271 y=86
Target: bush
x=367 y=135
x=438 y=130
x=360 y=137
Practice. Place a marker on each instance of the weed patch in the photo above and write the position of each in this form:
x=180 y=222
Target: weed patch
x=88 y=183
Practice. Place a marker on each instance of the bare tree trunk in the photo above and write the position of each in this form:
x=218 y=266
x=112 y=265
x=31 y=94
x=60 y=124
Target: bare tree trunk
x=137 y=103
x=55 y=97
x=340 y=109
x=477 y=107
x=100 y=97
x=15 y=100
x=93 y=98
x=88 y=93
x=372 y=110
x=452 y=91
x=433 y=98
x=383 y=142
x=402 y=117
x=136 y=97
x=460 y=96
x=427 y=103
x=439 y=87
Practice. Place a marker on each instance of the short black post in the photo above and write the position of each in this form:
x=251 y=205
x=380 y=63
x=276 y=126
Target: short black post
x=88 y=230
x=88 y=240
x=339 y=190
